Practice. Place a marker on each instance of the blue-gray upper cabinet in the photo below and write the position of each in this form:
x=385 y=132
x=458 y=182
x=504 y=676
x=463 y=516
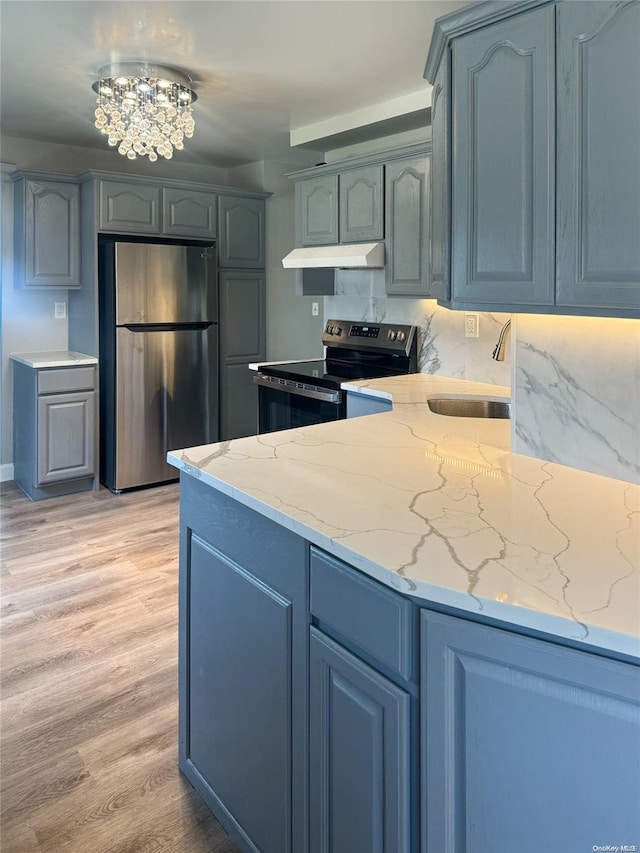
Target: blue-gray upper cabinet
x=189 y=213
x=241 y=232
x=598 y=205
x=361 y=216
x=440 y=196
x=503 y=162
x=359 y=755
x=129 y=207
x=47 y=233
x=518 y=738
x=407 y=226
x=316 y=204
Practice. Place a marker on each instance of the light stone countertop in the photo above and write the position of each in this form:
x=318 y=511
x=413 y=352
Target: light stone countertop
x=439 y=508
x=57 y=358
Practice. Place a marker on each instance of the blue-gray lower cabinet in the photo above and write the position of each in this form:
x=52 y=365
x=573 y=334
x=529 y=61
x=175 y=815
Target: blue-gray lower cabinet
x=359 y=755
x=243 y=669
x=54 y=430
x=361 y=404
x=526 y=745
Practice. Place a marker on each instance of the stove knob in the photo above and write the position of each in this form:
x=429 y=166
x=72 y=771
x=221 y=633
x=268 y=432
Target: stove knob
x=392 y=335
x=402 y=336
x=337 y=330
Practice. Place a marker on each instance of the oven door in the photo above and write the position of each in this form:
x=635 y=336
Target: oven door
x=285 y=404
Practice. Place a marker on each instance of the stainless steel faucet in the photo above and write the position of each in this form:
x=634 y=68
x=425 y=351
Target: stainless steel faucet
x=498 y=352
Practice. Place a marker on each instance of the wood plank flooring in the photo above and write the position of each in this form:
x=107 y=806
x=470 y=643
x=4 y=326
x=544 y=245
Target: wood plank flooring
x=88 y=621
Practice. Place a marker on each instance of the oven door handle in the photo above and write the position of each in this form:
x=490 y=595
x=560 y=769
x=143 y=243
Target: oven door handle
x=302 y=389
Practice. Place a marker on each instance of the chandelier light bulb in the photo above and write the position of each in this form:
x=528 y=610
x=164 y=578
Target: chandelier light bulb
x=145 y=111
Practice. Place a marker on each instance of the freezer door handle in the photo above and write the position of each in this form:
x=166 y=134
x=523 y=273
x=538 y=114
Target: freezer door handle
x=169 y=327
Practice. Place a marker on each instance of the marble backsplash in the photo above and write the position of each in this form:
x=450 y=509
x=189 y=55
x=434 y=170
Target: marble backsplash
x=576 y=392
x=442 y=346
x=575 y=380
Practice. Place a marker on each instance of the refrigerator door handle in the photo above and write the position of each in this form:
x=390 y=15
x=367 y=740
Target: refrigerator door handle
x=169 y=327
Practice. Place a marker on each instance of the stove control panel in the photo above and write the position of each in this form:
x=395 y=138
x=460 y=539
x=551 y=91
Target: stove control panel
x=385 y=337
x=364 y=331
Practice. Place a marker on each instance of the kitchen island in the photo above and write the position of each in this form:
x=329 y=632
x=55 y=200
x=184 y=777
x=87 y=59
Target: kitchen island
x=417 y=632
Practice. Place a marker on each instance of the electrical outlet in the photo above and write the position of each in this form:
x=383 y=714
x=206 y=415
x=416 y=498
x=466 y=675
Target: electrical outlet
x=315 y=309
x=471 y=325
x=60 y=310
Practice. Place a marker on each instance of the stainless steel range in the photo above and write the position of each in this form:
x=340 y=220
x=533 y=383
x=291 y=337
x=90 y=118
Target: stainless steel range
x=308 y=392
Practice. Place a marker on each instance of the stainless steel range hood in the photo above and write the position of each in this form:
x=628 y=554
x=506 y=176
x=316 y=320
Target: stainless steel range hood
x=352 y=256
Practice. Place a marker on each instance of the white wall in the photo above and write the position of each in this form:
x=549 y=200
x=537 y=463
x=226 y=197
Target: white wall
x=73 y=159
x=27 y=325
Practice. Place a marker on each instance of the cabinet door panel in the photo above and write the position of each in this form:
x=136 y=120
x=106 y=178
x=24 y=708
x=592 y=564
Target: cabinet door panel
x=66 y=444
x=527 y=746
x=129 y=208
x=316 y=204
x=239 y=694
x=242 y=232
x=359 y=755
x=52 y=238
x=238 y=402
x=599 y=154
x=242 y=340
x=440 y=196
x=242 y=316
x=189 y=213
x=407 y=226
x=503 y=188
x=361 y=204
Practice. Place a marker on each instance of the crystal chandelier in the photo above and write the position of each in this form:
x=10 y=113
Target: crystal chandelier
x=145 y=110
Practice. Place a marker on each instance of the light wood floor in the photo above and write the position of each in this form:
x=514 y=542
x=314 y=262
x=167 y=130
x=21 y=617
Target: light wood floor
x=89 y=678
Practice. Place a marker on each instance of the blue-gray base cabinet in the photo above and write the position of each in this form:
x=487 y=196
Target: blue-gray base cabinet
x=323 y=712
x=359 y=754
x=54 y=430
x=243 y=669
x=362 y=404
x=526 y=745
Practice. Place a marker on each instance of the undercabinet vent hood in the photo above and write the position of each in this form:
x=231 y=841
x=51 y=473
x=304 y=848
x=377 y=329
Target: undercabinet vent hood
x=353 y=256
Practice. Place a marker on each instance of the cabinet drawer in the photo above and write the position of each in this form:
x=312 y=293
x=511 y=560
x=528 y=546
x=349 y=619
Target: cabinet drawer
x=364 y=612
x=59 y=380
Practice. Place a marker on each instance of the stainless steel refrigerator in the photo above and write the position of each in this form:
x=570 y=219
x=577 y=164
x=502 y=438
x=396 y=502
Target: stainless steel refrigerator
x=158 y=357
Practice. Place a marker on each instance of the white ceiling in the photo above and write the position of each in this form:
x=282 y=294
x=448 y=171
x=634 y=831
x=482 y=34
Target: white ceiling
x=261 y=67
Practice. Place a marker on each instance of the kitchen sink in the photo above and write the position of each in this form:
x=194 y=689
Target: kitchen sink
x=465 y=407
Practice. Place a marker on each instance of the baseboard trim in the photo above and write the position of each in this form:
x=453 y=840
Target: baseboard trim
x=6 y=472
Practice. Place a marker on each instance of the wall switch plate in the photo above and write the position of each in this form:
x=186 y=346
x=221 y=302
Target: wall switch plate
x=315 y=309
x=60 y=310
x=471 y=325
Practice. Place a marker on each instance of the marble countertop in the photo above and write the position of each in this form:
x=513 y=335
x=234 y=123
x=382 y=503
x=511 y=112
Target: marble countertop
x=57 y=358
x=439 y=508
